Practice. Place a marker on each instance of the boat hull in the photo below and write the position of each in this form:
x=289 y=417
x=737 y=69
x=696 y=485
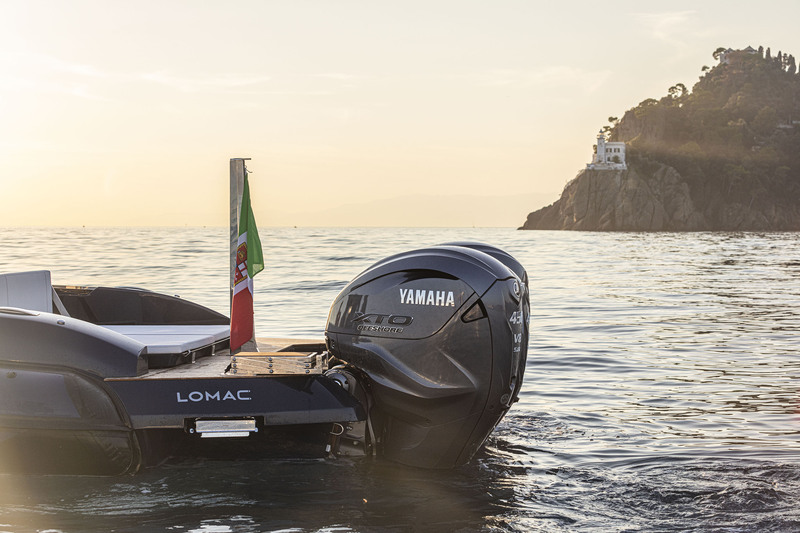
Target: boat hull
x=57 y=420
x=60 y=421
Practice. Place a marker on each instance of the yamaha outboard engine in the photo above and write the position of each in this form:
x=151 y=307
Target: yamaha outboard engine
x=441 y=336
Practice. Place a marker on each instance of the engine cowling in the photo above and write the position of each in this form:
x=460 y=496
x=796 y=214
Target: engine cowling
x=442 y=335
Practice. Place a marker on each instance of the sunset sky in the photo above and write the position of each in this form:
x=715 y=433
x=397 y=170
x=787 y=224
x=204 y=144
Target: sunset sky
x=433 y=113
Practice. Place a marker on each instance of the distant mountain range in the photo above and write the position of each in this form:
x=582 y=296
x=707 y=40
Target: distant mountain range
x=457 y=210
x=724 y=156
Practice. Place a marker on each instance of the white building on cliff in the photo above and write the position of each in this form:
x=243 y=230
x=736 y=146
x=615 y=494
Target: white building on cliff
x=725 y=57
x=608 y=155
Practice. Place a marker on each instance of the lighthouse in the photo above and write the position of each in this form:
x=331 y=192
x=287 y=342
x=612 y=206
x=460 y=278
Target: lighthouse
x=608 y=155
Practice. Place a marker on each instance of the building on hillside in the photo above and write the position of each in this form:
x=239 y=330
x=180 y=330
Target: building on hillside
x=608 y=155
x=725 y=57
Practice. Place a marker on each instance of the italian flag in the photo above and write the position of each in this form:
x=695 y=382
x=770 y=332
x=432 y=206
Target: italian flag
x=249 y=262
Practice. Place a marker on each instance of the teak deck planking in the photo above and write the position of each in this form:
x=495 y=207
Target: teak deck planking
x=215 y=366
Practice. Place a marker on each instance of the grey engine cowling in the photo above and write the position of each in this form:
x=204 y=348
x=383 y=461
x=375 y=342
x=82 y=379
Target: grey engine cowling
x=442 y=335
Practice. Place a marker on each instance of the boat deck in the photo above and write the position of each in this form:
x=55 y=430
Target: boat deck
x=214 y=366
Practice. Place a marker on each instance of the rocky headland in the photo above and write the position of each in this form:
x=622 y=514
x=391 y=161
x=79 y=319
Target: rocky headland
x=722 y=157
x=659 y=200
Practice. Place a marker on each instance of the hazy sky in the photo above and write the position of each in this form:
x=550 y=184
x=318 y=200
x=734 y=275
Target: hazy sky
x=353 y=112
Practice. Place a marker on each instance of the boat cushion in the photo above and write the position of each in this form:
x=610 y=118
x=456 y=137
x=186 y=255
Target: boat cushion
x=164 y=339
x=171 y=345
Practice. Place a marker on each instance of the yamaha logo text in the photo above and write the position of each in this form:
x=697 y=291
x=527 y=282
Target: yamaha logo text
x=426 y=297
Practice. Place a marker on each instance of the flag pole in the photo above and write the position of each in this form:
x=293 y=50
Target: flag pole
x=237 y=186
x=237 y=172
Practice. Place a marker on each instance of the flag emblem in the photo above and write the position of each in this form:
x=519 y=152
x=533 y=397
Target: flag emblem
x=240 y=273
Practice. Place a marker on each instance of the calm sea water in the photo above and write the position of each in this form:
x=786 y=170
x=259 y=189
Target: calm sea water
x=661 y=392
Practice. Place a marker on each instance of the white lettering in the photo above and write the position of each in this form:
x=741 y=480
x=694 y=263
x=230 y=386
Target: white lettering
x=426 y=297
x=217 y=396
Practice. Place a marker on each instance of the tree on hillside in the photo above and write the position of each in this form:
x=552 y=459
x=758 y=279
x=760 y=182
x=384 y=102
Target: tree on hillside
x=786 y=61
x=765 y=122
x=677 y=91
x=608 y=128
x=717 y=52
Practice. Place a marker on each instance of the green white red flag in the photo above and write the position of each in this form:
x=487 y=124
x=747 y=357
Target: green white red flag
x=249 y=262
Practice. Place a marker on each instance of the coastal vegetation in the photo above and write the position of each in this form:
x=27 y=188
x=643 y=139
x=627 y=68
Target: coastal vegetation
x=734 y=138
x=729 y=148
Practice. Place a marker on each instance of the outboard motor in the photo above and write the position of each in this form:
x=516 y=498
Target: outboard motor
x=441 y=336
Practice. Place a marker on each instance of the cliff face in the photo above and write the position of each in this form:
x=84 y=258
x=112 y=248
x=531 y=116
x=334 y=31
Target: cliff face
x=659 y=200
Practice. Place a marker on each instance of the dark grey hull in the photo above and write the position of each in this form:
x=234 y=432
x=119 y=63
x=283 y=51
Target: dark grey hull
x=64 y=421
